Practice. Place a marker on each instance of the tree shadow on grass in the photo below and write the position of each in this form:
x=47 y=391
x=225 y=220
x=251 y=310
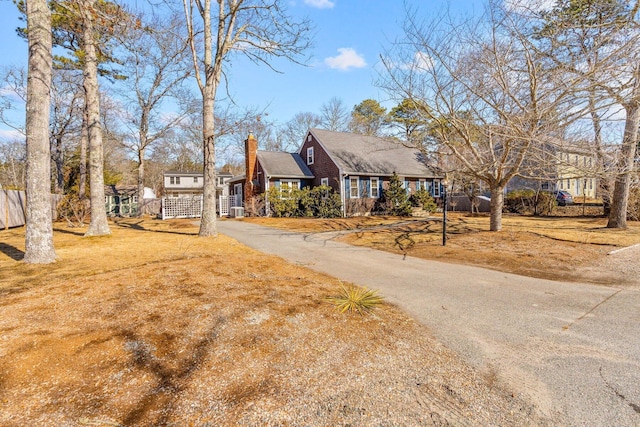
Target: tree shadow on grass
x=62 y=230
x=169 y=382
x=11 y=251
x=138 y=227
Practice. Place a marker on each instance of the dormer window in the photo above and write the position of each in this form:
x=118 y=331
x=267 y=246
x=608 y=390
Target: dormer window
x=310 y=155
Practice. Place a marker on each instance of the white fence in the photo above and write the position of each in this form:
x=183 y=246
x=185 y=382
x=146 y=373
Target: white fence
x=181 y=207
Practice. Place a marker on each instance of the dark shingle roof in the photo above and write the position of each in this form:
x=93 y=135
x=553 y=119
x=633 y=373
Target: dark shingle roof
x=283 y=165
x=369 y=155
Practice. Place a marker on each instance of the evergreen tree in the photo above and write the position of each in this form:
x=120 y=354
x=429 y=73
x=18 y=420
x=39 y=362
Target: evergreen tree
x=396 y=198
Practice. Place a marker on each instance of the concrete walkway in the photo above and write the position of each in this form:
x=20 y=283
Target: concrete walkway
x=572 y=349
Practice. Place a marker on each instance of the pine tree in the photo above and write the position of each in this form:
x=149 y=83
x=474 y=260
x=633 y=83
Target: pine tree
x=396 y=197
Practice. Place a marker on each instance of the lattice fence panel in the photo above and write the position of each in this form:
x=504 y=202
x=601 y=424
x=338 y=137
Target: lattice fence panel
x=181 y=207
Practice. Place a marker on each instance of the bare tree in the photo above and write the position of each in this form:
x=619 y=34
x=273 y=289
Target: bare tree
x=156 y=66
x=66 y=108
x=334 y=115
x=13 y=95
x=261 y=30
x=489 y=97
x=293 y=132
x=39 y=247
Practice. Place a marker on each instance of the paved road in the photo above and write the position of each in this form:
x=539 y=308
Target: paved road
x=573 y=349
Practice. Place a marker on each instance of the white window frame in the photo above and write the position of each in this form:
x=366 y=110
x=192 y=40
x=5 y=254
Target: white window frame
x=436 y=188
x=353 y=179
x=325 y=181
x=172 y=180
x=177 y=180
x=289 y=184
x=374 y=190
x=195 y=179
x=310 y=156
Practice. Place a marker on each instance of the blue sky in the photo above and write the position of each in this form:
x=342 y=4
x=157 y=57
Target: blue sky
x=350 y=36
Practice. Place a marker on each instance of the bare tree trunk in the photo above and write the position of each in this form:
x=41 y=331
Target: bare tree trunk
x=620 y=200
x=84 y=142
x=98 y=225
x=39 y=247
x=140 y=181
x=208 y=221
x=497 y=202
x=58 y=160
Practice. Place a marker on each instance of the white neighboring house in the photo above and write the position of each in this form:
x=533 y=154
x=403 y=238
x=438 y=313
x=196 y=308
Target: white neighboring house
x=189 y=184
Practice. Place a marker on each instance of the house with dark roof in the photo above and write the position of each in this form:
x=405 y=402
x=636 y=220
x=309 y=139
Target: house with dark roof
x=358 y=167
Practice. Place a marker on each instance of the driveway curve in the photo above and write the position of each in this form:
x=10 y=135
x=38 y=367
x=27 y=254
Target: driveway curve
x=571 y=349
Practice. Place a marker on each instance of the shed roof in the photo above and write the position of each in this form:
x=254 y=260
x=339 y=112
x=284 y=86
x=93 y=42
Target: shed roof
x=370 y=155
x=283 y=165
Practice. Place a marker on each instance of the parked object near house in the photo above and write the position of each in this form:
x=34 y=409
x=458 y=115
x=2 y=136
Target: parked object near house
x=357 y=167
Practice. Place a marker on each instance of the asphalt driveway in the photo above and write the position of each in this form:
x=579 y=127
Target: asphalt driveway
x=572 y=349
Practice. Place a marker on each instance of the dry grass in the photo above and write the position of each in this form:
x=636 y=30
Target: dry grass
x=155 y=326
x=562 y=248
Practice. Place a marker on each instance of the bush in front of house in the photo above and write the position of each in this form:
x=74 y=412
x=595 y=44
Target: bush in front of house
x=395 y=198
x=423 y=199
x=318 y=202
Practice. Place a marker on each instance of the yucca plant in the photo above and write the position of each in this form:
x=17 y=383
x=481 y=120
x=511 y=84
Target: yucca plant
x=356 y=298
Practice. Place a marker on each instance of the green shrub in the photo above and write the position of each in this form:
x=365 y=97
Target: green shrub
x=397 y=202
x=283 y=202
x=423 y=199
x=355 y=298
x=319 y=202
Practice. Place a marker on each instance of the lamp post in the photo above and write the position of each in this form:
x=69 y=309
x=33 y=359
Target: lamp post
x=445 y=183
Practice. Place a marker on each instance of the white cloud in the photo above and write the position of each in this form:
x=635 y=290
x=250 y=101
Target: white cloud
x=8 y=135
x=347 y=58
x=523 y=6
x=320 y=4
x=422 y=62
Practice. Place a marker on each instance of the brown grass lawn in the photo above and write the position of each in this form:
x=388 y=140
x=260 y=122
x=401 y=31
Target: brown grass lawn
x=561 y=248
x=153 y=326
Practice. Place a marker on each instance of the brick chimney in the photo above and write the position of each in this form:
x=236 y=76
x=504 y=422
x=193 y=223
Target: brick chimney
x=250 y=153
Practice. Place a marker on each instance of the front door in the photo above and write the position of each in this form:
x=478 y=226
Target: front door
x=237 y=191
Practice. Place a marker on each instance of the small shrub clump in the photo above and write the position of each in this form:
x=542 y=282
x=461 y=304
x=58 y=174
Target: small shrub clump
x=423 y=199
x=357 y=299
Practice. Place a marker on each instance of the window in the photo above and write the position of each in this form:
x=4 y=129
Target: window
x=325 y=182
x=364 y=188
x=289 y=184
x=421 y=185
x=310 y=155
x=353 y=187
x=375 y=188
x=195 y=179
x=174 y=180
x=436 y=188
